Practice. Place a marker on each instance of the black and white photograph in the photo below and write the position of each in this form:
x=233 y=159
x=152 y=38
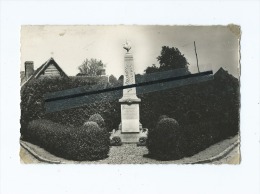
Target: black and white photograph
x=129 y=97
x=130 y=94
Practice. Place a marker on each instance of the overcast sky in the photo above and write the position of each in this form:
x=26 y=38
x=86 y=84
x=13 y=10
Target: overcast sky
x=217 y=46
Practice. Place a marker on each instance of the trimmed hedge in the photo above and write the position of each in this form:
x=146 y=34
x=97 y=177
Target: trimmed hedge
x=162 y=117
x=142 y=141
x=32 y=103
x=200 y=136
x=169 y=141
x=216 y=99
x=164 y=142
x=98 y=119
x=88 y=142
x=209 y=109
x=116 y=141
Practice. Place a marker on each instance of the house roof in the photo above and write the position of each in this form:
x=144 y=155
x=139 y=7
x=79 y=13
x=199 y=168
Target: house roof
x=45 y=65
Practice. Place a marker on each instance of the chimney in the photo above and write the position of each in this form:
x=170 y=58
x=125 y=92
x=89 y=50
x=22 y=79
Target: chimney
x=29 y=69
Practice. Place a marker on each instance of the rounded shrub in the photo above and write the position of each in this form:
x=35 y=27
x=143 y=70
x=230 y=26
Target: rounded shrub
x=162 y=117
x=165 y=141
x=89 y=142
x=98 y=119
x=142 y=141
x=90 y=124
x=96 y=140
x=116 y=141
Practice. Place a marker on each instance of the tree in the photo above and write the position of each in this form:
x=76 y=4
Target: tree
x=152 y=69
x=121 y=78
x=92 y=67
x=112 y=79
x=170 y=58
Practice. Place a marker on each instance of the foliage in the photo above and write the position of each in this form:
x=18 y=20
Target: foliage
x=188 y=139
x=209 y=108
x=112 y=79
x=77 y=81
x=170 y=58
x=142 y=141
x=121 y=78
x=200 y=136
x=91 y=67
x=32 y=101
x=163 y=142
x=108 y=109
x=152 y=69
x=207 y=112
x=217 y=99
x=116 y=141
x=162 y=117
x=98 y=119
x=90 y=124
x=88 y=142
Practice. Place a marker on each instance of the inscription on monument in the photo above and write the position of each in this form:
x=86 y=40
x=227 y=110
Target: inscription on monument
x=130 y=118
x=130 y=111
x=129 y=75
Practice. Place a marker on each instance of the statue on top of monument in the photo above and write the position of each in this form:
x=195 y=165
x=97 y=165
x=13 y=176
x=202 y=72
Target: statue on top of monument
x=127 y=46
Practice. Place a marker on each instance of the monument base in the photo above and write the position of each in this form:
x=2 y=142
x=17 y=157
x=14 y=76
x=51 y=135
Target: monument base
x=129 y=137
x=129 y=100
x=130 y=119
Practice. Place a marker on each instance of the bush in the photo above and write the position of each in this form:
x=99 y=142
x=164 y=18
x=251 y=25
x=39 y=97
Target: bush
x=116 y=141
x=142 y=141
x=202 y=135
x=32 y=102
x=168 y=141
x=162 y=117
x=112 y=79
x=210 y=109
x=88 y=142
x=90 y=124
x=98 y=119
x=163 y=142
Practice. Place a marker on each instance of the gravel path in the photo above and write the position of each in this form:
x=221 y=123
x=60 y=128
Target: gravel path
x=131 y=154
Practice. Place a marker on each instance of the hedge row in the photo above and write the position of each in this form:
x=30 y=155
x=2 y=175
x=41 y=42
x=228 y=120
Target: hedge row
x=217 y=99
x=205 y=106
x=32 y=103
x=89 y=142
x=209 y=101
x=169 y=141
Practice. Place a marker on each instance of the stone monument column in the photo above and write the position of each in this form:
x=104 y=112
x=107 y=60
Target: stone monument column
x=130 y=118
x=129 y=77
x=130 y=129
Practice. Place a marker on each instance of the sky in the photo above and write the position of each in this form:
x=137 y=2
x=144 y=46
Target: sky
x=217 y=46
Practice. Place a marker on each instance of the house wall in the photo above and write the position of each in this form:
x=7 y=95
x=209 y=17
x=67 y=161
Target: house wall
x=51 y=71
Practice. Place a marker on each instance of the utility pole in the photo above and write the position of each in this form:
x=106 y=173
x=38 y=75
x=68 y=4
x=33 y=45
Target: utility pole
x=196 y=57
